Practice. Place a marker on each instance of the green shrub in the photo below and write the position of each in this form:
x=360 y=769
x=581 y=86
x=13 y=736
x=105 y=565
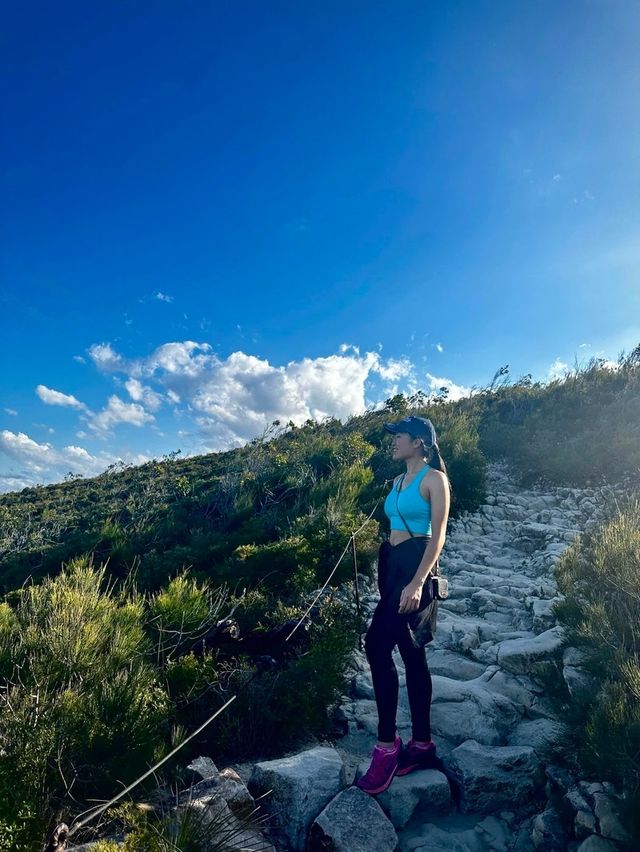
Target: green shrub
x=278 y=709
x=600 y=577
x=81 y=709
x=581 y=429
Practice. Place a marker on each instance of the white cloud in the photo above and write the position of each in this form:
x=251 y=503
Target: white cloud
x=54 y=397
x=348 y=347
x=558 y=370
x=185 y=359
x=14 y=482
x=162 y=297
x=118 y=411
x=43 y=463
x=557 y=178
x=233 y=399
x=79 y=359
x=238 y=397
x=393 y=368
x=11 y=411
x=455 y=391
x=105 y=358
x=20 y=446
x=143 y=394
x=439 y=347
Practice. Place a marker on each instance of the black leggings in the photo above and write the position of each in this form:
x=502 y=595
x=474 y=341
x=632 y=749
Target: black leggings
x=385 y=632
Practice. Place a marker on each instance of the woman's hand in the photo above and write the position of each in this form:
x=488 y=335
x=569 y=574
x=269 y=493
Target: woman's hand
x=410 y=597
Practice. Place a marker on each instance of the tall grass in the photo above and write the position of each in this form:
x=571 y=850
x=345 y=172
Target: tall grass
x=600 y=577
x=81 y=707
x=581 y=429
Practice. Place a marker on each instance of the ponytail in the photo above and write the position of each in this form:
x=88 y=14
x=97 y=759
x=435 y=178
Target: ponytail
x=435 y=460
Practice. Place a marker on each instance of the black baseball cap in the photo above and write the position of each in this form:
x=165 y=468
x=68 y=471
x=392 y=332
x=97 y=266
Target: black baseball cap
x=417 y=427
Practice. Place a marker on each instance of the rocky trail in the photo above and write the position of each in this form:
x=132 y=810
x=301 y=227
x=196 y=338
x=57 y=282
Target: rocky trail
x=492 y=721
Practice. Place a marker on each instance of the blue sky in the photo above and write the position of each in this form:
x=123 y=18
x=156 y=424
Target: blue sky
x=216 y=214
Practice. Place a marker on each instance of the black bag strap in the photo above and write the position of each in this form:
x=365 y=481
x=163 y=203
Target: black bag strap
x=435 y=570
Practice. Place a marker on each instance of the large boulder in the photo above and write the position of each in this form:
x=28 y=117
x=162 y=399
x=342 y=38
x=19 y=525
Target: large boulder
x=524 y=655
x=495 y=778
x=463 y=710
x=426 y=790
x=455 y=666
x=299 y=787
x=607 y=811
x=352 y=822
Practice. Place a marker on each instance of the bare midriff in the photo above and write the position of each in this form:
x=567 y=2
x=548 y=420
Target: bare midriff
x=398 y=536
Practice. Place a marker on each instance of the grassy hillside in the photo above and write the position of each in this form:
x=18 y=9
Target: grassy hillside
x=296 y=495
x=111 y=583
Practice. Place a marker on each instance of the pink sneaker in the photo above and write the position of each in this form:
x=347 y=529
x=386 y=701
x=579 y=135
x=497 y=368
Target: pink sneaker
x=414 y=756
x=382 y=769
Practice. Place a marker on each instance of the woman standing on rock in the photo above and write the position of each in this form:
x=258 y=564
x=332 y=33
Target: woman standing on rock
x=417 y=507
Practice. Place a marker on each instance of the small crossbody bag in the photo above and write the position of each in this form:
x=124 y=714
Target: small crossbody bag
x=440 y=585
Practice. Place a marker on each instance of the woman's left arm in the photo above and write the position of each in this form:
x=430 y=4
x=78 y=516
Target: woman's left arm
x=440 y=501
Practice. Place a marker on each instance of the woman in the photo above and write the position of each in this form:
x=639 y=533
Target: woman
x=417 y=508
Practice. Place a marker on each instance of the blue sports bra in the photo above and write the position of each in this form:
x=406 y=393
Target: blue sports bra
x=415 y=509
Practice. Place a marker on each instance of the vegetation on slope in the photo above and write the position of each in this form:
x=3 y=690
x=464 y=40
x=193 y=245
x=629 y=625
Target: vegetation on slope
x=100 y=667
x=600 y=577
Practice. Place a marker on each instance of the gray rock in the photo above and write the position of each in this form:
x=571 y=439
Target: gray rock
x=523 y=841
x=596 y=844
x=522 y=655
x=234 y=791
x=495 y=778
x=352 y=822
x=543 y=616
x=540 y=734
x=576 y=676
x=588 y=788
x=214 y=811
x=608 y=818
x=362 y=686
x=548 y=832
x=579 y=682
x=495 y=834
x=524 y=692
x=455 y=666
x=574 y=657
x=584 y=824
x=463 y=710
x=576 y=800
x=300 y=786
x=204 y=767
x=227 y=785
x=426 y=790
x=434 y=839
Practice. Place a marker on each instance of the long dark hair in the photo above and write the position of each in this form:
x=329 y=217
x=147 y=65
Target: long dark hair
x=435 y=460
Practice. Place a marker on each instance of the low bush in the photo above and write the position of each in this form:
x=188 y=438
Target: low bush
x=95 y=682
x=583 y=428
x=81 y=708
x=600 y=578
